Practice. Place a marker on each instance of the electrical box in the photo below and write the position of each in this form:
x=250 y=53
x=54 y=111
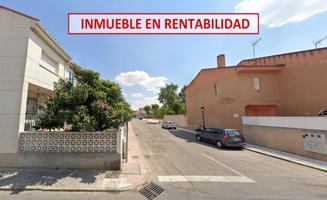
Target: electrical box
x=314 y=141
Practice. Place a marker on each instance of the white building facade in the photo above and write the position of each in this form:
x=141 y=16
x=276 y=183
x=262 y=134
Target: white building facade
x=30 y=62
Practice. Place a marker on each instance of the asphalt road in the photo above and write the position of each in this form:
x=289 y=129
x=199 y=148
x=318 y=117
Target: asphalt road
x=188 y=169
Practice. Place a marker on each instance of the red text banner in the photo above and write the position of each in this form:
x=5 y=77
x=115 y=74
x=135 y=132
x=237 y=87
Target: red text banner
x=163 y=23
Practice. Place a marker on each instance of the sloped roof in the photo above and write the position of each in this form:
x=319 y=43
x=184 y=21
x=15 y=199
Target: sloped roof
x=283 y=54
x=239 y=68
x=19 y=13
x=241 y=64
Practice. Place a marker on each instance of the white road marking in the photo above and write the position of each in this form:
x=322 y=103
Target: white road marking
x=214 y=160
x=224 y=179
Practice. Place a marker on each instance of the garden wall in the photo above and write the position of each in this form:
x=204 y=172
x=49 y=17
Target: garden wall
x=180 y=120
x=72 y=142
x=67 y=150
x=305 y=136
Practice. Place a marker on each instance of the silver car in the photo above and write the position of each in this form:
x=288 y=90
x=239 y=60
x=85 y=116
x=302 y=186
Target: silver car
x=168 y=125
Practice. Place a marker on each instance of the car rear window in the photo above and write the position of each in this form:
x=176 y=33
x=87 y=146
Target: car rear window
x=233 y=132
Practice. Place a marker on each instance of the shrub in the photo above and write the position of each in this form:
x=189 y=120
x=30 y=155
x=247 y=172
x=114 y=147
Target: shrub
x=91 y=105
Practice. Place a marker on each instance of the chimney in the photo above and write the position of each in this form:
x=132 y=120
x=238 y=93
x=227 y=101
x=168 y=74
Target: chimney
x=221 y=61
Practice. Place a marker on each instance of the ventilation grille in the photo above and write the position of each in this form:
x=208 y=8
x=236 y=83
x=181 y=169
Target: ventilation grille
x=151 y=191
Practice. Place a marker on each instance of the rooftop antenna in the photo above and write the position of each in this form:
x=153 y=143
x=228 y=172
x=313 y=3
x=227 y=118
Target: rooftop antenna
x=254 y=44
x=318 y=42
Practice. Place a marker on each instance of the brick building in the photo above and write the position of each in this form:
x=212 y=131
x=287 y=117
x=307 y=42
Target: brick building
x=290 y=84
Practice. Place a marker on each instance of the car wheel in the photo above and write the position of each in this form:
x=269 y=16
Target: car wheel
x=198 y=138
x=219 y=144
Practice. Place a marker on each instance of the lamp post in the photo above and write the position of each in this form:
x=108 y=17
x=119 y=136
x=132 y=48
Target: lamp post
x=202 y=111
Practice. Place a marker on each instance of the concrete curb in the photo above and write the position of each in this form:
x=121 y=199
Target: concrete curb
x=276 y=155
x=60 y=190
x=41 y=188
x=134 y=186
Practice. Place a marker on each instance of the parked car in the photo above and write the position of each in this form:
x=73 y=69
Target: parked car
x=222 y=137
x=168 y=125
x=199 y=128
x=322 y=113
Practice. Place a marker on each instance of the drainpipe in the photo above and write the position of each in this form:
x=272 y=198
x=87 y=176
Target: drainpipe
x=126 y=141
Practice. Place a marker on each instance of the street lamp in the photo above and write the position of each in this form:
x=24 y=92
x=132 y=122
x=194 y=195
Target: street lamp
x=202 y=110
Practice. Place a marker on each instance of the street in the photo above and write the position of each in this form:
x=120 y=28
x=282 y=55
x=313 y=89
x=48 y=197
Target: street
x=120 y=100
x=172 y=155
x=187 y=169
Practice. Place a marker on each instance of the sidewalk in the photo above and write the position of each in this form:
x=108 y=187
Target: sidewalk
x=313 y=163
x=133 y=173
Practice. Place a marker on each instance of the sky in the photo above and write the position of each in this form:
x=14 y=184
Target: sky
x=142 y=64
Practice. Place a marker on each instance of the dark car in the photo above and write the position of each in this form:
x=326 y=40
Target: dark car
x=222 y=137
x=323 y=113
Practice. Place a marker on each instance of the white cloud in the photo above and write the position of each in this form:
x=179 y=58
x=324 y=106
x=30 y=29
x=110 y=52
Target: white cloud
x=153 y=84
x=131 y=78
x=143 y=79
x=141 y=102
x=275 y=13
x=137 y=95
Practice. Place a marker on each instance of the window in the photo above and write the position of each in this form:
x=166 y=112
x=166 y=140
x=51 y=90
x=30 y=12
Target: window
x=216 y=89
x=31 y=107
x=48 y=63
x=69 y=74
x=256 y=83
x=233 y=132
x=208 y=130
x=219 y=131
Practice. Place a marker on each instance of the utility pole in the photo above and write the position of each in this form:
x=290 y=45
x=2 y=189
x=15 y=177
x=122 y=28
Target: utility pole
x=318 y=42
x=254 y=44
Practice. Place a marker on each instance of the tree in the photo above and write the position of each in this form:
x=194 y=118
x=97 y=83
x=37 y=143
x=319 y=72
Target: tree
x=147 y=110
x=163 y=111
x=91 y=105
x=170 y=98
x=181 y=94
x=53 y=119
x=155 y=109
x=168 y=94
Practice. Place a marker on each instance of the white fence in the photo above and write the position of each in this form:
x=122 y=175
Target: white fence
x=312 y=123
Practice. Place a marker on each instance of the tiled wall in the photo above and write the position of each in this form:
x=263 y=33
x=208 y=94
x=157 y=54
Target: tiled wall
x=68 y=142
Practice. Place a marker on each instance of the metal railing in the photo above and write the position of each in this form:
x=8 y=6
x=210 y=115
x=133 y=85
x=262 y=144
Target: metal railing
x=30 y=120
